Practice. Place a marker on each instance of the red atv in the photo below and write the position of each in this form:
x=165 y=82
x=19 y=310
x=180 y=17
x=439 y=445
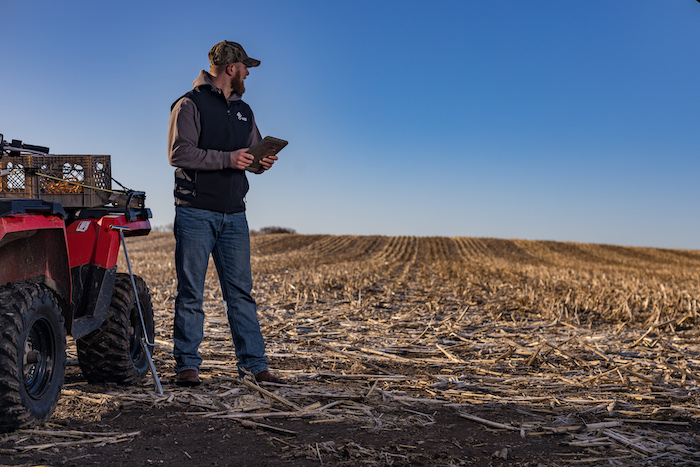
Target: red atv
x=61 y=226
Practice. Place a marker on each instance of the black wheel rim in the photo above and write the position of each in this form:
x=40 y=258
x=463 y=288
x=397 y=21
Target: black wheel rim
x=39 y=358
x=135 y=333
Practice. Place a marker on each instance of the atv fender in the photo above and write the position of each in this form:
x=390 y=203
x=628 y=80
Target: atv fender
x=94 y=250
x=34 y=247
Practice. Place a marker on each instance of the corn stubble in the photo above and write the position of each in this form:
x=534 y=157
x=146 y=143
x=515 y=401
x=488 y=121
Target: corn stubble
x=594 y=344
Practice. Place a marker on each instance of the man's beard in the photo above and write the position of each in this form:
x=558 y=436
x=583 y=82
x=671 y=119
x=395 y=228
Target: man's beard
x=237 y=84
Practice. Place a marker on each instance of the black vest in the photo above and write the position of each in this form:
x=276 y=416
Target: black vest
x=225 y=126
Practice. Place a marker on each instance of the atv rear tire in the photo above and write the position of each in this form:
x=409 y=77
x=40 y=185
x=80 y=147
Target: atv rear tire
x=113 y=353
x=32 y=354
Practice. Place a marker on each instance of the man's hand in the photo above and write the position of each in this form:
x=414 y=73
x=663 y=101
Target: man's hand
x=240 y=158
x=267 y=161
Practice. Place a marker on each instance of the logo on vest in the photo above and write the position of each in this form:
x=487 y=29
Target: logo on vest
x=241 y=117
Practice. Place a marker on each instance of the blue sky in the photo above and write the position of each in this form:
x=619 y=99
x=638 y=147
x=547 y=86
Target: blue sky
x=544 y=119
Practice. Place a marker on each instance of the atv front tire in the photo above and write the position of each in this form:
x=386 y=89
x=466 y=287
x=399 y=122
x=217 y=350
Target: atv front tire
x=113 y=353
x=32 y=354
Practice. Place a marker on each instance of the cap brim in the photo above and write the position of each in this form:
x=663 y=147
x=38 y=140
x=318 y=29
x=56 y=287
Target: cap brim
x=251 y=62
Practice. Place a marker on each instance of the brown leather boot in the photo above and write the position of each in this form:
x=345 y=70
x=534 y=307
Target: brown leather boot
x=188 y=378
x=266 y=377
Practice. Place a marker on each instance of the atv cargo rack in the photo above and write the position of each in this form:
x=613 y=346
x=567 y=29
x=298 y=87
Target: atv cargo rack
x=75 y=181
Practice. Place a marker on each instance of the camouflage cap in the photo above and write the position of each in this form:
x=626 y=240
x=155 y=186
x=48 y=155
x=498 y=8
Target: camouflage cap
x=226 y=52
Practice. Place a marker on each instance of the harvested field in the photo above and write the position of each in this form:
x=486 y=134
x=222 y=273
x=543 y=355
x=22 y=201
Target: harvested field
x=412 y=351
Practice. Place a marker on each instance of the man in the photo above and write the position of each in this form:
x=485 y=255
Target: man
x=209 y=133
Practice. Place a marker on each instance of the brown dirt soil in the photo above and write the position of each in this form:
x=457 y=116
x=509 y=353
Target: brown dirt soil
x=431 y=435
x=411 y=351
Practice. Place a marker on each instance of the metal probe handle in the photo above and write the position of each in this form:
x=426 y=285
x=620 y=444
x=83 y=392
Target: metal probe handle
x=144 y=340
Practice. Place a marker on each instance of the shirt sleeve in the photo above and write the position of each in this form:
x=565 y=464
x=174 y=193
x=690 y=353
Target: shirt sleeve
x=183 y=136
x=254 y=137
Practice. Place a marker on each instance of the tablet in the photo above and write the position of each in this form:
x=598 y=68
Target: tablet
x=269 y=146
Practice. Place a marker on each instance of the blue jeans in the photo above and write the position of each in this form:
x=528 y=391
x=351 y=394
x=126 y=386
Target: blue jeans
x=199 y=233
